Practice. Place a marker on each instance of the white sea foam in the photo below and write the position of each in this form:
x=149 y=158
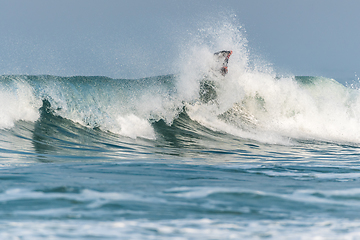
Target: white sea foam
x=17 y=103
x=94 y=199
x=331 y=197
x=133 y=126
x=205 y=228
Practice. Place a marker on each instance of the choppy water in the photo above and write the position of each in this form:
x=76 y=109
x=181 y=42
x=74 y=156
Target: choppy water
x=264 y=157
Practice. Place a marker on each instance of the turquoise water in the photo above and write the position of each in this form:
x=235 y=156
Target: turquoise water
x=101 y=158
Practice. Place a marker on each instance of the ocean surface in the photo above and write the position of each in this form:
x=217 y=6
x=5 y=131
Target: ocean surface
x=249 y=155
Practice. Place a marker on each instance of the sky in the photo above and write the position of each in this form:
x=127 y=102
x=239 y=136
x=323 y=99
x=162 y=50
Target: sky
x=142 y=38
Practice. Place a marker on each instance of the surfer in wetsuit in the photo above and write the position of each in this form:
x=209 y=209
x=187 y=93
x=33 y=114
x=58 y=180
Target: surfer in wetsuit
x=223 y=55
x=208 y=86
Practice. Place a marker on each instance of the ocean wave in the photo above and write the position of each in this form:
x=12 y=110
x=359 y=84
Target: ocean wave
x=278 y=111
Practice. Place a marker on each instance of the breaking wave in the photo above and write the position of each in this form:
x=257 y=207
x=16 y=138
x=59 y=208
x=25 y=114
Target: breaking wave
x=250 y=102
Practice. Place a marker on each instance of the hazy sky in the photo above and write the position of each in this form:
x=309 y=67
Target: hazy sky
x=138 y=38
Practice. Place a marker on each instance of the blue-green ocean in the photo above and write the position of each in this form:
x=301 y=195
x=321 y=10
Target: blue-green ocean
x=191 y=155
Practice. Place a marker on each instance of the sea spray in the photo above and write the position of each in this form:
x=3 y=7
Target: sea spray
x=17 y=101
x=253 y=102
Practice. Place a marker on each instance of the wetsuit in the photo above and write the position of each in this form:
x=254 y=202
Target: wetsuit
x=224 y=55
